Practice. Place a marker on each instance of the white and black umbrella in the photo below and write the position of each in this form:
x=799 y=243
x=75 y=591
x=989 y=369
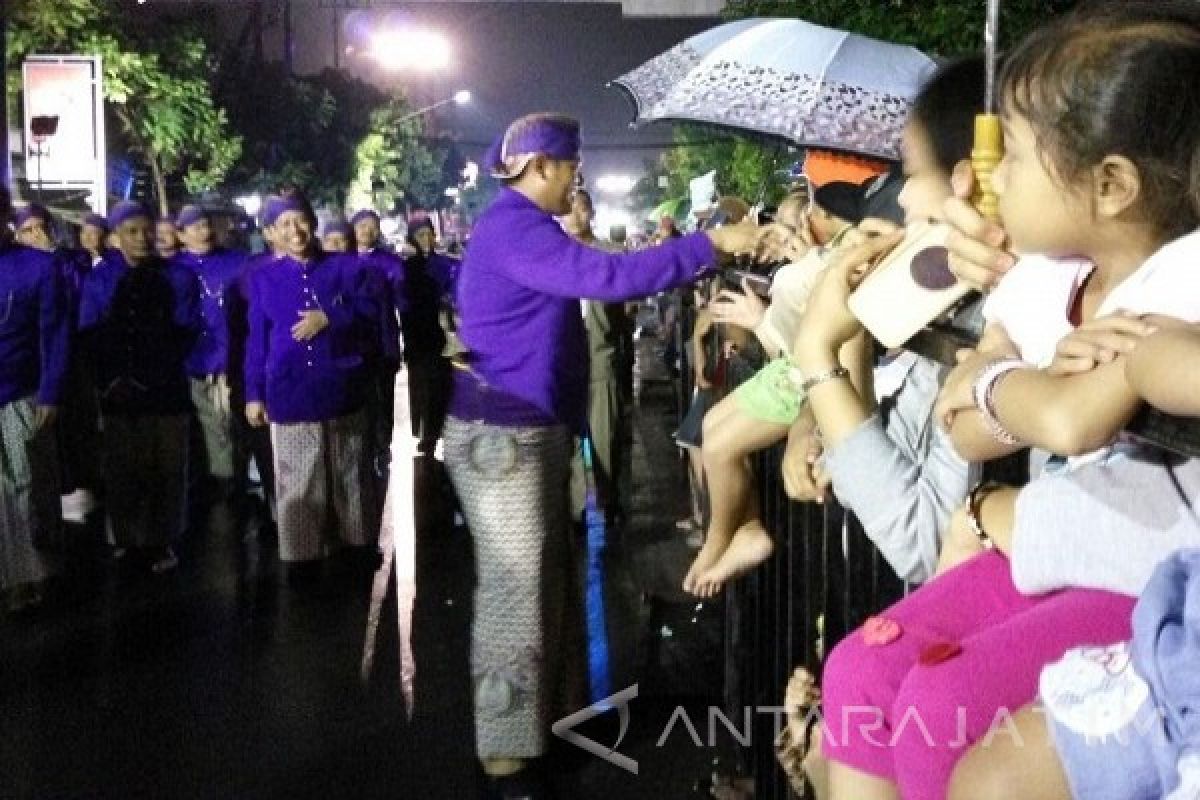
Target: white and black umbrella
x=815 y=86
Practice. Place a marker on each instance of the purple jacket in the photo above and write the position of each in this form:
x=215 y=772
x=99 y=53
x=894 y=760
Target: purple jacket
x=519 y=311
x=35 y=325
x=321 y=379
x=218 y=274
x=386 y=272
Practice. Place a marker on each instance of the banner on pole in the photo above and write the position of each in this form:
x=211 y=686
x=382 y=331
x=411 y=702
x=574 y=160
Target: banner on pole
x=64 y=125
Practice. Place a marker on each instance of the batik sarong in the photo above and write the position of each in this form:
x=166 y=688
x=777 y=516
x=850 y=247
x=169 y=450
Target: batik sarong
x=325 y=490
x=512 y=484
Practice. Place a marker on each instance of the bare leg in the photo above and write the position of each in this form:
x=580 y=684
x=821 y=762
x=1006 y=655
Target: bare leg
x=847 y=783
x=1018 y=761
x=730 y=436
x=750 y=546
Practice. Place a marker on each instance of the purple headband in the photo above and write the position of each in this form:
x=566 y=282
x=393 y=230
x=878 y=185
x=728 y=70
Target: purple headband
x=190 y=215
x=96 y=221
x=337 y=226
x=359 y=216
x=291 y=202
x=29 y=212
x=554 y=135
x=126 y=210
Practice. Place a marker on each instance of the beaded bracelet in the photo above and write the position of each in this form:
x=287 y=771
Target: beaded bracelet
x=983 y=391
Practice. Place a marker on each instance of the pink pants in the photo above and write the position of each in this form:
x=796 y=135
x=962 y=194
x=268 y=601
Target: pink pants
x=906 y=695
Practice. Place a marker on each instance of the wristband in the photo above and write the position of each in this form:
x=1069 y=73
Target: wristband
x=974 y=506
x=823 y=377
x=983 y=390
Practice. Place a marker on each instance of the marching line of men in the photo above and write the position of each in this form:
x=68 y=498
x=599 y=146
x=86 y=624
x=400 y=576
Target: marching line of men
x=107 y=354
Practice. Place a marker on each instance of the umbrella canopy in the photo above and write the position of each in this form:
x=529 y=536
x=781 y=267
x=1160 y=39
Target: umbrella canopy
x=816 y=86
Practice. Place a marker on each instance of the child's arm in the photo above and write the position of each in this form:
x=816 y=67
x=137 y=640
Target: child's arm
x=1064 y=414
x=956 y=403
x=1163 y=369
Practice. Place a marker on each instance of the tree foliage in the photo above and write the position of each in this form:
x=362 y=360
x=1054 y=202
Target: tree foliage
x=156 y=83
x=938 y=27
x=391 y=164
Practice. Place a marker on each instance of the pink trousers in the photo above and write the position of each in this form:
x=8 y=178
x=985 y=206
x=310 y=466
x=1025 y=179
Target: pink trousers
x=908 y=693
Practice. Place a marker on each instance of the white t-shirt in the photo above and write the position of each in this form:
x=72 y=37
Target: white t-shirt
x=1033 y=300
x=790 y=288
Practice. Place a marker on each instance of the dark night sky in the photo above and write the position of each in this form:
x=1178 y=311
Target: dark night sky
x=515 y=58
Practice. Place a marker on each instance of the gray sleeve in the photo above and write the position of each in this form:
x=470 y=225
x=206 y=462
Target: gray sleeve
x=1105 y=525
x=903 y=503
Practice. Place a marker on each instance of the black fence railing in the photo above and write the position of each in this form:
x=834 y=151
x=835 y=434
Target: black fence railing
x=824 y=579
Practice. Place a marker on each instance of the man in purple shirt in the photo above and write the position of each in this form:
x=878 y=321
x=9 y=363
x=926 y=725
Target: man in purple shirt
x=218 y=272
x=138 y=320
x=77 y=425
x=388 y=281
x=34 y=341
x=305 y=362
x=521 y=395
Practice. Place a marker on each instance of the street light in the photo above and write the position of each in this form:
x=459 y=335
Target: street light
x=461 y=98
x=425 y=51
x=616 y=184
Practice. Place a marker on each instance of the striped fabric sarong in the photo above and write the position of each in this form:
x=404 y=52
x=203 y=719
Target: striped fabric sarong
x=512 y=485
x=324 y=487
x=28 y=494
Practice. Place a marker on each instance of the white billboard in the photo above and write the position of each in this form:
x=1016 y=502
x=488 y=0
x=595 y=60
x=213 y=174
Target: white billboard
x=64 y=125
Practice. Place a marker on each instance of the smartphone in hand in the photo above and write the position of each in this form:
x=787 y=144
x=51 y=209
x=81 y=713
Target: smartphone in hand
x=909 y=288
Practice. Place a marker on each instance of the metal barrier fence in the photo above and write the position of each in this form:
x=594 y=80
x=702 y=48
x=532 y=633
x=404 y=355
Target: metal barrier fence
x=823 y=580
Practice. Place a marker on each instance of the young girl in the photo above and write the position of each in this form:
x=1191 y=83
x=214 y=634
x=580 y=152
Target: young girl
x=1066 y=749
x=761 y=410
x=1082 y=176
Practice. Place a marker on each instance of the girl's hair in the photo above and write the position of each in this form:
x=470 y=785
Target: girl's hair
x=946 y=106
x=1118 y=79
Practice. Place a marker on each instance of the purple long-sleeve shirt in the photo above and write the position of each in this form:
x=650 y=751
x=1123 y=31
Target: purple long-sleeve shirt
x=320 y=379
x=35 y=325
x=519 y=310
x=386 y=272
x=218 y=274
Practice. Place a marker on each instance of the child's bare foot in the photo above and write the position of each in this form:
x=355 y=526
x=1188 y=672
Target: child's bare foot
x=708 y=556
x=750 y=546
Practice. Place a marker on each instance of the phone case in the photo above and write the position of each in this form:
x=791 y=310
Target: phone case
x=909 y=288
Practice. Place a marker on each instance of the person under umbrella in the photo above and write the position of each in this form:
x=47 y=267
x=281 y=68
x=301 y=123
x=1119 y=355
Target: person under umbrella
x=139 y=317
x=310 y=314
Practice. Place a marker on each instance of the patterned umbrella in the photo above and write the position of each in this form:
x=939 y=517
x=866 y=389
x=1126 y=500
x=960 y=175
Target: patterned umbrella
x=816 y=86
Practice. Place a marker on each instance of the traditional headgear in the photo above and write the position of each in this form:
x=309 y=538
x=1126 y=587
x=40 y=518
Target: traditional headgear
x=26 y=213
x=555 y=135
x=362 y=214
x=126 y=210
x=338 y=226
x=190 y=215
x=96 y=221
x=277 y=205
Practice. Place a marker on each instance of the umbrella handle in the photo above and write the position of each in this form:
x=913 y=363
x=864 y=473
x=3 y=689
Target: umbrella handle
x=985 y=157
